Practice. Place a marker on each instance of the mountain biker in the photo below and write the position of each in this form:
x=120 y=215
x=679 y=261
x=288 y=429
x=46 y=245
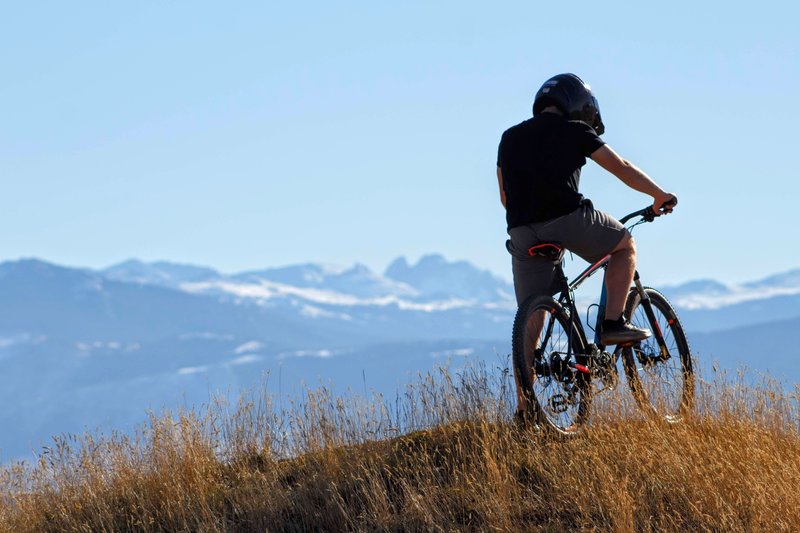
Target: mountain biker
x=538 y=170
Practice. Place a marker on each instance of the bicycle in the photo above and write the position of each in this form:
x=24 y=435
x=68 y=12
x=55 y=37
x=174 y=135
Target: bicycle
x=567 y=370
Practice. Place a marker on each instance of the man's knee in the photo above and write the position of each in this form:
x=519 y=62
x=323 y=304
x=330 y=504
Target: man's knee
x=625 y=245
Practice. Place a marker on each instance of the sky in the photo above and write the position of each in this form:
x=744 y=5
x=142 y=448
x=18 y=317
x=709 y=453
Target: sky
x=253 y=134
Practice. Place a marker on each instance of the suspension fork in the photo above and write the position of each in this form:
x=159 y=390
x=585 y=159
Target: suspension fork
x=651 y=316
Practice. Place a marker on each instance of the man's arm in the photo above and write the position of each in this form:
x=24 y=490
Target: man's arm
x=633 y=177
x=500 y=183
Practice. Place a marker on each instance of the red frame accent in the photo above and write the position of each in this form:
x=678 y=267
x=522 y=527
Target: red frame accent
x=660 y=334
x=588 y=272
x=581 y=368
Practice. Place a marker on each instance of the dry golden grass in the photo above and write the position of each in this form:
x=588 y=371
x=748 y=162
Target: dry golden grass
x=443 y=457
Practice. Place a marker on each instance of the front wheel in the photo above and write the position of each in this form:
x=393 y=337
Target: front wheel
x=547 y=365
x=659 y=369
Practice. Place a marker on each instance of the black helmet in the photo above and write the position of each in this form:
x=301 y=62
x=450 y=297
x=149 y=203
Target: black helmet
x=573 y=97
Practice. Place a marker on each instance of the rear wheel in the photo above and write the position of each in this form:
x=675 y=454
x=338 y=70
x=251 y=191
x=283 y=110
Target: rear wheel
x=661 y=378
x=545 y=356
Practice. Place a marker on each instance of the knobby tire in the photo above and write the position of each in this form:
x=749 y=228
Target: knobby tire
x=662 y=387
x=543 y=393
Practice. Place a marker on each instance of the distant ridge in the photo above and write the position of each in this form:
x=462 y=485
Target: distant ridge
x=434 y=276
x=158 y=273
x=82 y=347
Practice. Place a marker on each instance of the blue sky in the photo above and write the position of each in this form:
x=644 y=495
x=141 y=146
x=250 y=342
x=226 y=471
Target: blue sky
x=261 y=133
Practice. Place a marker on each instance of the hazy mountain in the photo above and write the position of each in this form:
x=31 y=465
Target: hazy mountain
x=81 y=349
x=38 y=298
x=764 y=347
x=435 y=277
x=706 y=287
x=708 y=305
x=789 y=279
x=357 y=280
x=158 y=273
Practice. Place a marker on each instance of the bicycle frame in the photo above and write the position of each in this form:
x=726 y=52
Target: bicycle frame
x=566 y=299
x=565 y=370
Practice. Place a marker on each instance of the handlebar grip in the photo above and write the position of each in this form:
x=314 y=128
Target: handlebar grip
x=648 y=213
x=667 y=206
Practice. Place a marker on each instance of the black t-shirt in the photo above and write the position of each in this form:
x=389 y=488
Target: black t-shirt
x=541 y=161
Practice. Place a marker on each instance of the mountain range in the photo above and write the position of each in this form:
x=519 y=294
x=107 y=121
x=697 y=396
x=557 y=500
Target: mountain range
x=93 y=349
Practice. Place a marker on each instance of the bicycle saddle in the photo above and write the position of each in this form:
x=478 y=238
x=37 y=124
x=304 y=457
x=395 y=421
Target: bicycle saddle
x=548 y=250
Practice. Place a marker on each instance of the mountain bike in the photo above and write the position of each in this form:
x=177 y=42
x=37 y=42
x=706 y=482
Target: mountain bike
x=568 y=371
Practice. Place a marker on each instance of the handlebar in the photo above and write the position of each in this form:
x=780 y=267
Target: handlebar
x=647 y=214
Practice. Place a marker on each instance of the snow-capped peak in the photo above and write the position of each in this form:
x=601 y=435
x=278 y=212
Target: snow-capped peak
x=160 y=273
x=435 y=277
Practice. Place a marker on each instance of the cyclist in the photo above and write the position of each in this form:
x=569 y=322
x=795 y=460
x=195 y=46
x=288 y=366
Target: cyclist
x=539 y=165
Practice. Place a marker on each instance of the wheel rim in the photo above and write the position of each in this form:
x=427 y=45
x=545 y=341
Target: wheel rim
x=555 y=386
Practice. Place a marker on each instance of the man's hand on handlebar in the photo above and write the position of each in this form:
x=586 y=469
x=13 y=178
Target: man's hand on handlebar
x=664 y=203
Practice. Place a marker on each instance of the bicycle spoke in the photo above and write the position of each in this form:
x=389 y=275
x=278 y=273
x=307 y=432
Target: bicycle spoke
x=552 y=393
x=660 y=380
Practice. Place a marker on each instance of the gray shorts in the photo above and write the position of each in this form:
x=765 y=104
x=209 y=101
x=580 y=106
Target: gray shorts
x=586 y=232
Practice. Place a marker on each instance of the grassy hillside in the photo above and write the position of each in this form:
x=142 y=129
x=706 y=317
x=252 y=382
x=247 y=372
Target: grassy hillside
x=442 y=457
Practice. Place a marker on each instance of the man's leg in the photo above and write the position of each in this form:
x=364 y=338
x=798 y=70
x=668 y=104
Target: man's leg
x=590 y=234
x=534 y=329
x=532 y=276
x=619 y=276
